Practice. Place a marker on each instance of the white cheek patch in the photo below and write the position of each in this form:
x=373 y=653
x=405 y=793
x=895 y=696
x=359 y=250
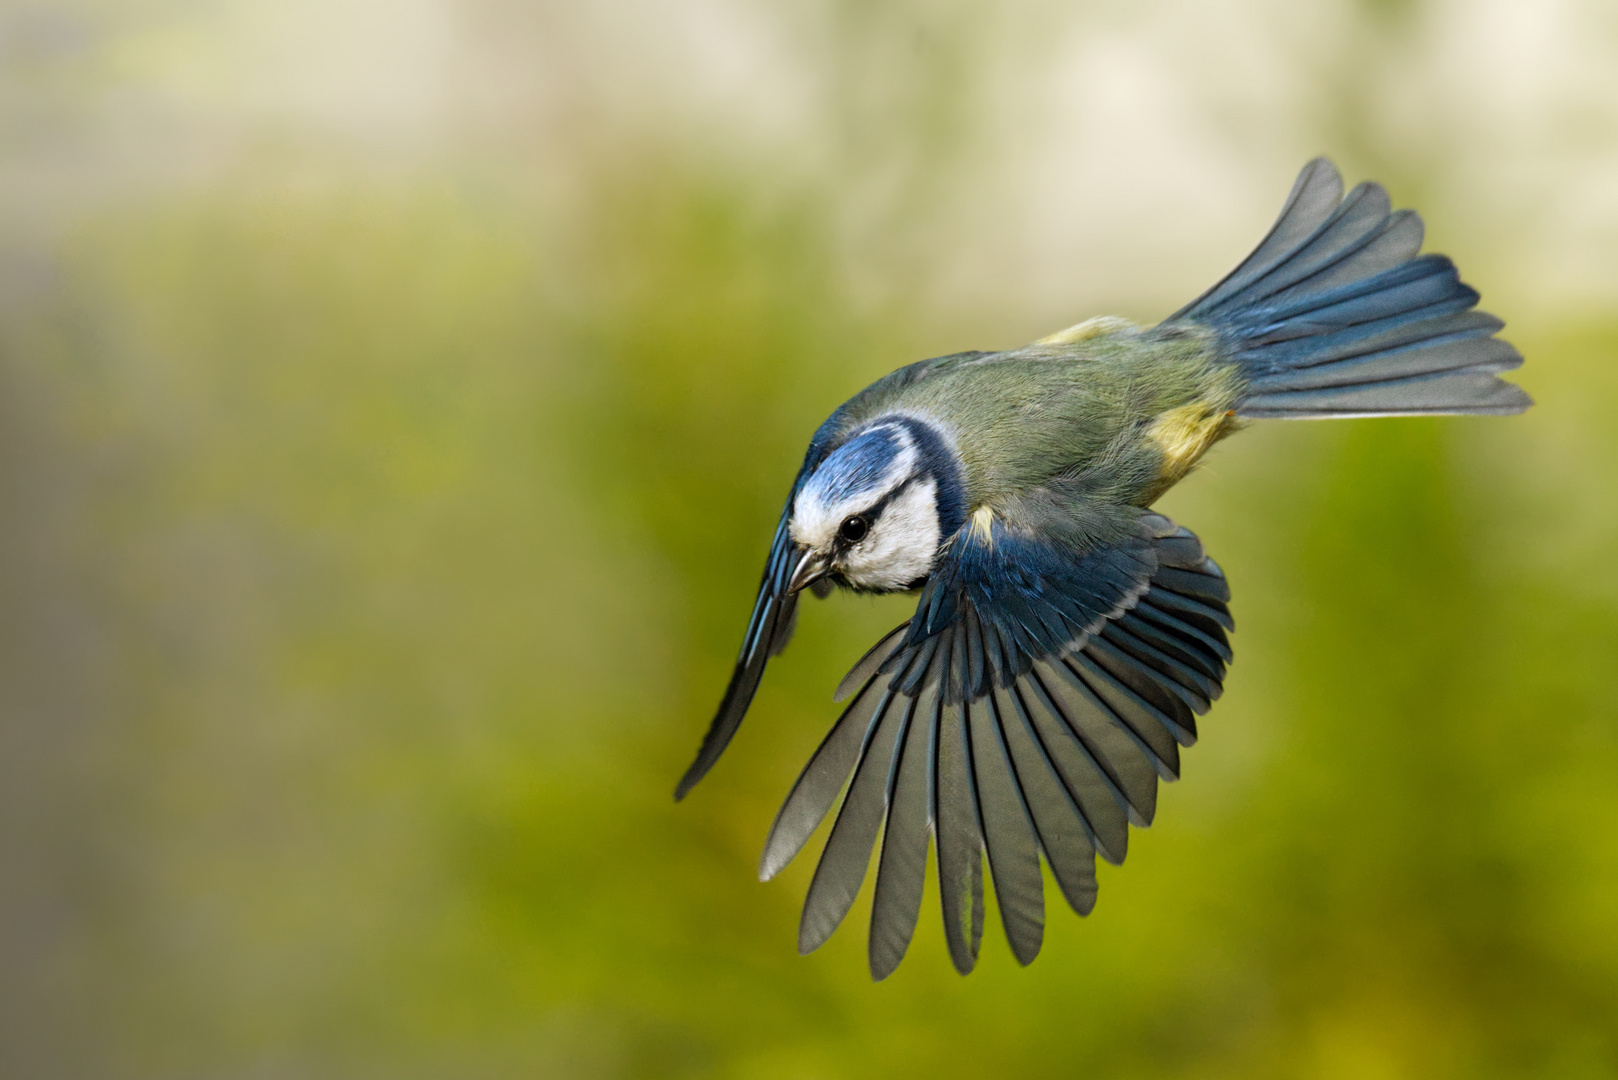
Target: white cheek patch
x=808 y=523
x=901 y=546
x=813 y=523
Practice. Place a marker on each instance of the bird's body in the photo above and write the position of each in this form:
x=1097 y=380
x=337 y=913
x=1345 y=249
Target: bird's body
x=1119 y=412
x=1065 y=635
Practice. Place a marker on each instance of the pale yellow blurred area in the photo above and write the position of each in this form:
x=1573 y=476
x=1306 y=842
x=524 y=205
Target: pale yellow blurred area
x=1104 y=147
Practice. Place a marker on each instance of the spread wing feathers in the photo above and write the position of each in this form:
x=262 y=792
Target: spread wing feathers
x=768 y=631
x=1027 y=714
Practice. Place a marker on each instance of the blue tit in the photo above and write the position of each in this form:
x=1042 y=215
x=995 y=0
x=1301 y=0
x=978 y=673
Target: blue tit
x=1065 y=636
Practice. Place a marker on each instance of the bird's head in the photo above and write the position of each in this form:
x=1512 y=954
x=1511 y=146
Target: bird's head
x=874 y=513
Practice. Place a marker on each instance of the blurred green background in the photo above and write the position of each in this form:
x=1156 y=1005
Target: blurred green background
x=396 y=399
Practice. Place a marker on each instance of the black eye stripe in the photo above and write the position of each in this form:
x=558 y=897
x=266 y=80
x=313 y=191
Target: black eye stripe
x=874 y=514
x=934 y=461
x=938 y=463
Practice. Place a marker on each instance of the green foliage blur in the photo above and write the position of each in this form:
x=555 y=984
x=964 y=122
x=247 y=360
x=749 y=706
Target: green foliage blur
x=386 y=473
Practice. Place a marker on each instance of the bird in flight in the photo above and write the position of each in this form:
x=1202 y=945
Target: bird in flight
x=1066 y=636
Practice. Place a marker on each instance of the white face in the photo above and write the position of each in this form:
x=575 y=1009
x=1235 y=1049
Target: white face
x=899 y=548
x=898 y=509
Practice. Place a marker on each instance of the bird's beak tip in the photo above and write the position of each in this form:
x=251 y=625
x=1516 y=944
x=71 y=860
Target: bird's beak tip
x=812 y=566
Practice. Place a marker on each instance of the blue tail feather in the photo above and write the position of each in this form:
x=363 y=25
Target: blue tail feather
x=1335 y=314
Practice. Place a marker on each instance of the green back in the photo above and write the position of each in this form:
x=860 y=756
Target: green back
x=1081 y=411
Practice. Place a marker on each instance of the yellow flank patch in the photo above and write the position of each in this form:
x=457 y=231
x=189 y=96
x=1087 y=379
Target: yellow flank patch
x=1184 y=435
x=1089 y=328
x=983 y=525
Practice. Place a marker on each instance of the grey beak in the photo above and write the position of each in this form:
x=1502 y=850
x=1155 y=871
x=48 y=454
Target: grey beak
x=811 y=568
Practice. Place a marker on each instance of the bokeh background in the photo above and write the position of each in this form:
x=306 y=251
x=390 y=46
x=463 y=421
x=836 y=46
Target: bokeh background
x=396 y=397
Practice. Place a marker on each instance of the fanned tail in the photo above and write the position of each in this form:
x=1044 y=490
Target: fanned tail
x=1335 y=314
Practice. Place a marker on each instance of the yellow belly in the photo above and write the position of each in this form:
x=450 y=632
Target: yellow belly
x=1184 y=434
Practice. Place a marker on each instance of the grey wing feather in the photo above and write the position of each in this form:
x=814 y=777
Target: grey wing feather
x=1088 y=784
x=902 y=866
x=871 y=662
x=1008 y=834
x=1112 y=702
x=960 y=840
x=1128 y=766
x=817 y=786
x=1064 y=835
x=847 y=855
x=1197 y=690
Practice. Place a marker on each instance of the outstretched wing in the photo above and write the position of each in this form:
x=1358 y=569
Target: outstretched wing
x=1030 y=706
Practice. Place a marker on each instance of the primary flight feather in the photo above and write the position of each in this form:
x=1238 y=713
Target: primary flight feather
x=1066 y=637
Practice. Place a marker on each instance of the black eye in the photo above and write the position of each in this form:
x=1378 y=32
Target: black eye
x=853 y=530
